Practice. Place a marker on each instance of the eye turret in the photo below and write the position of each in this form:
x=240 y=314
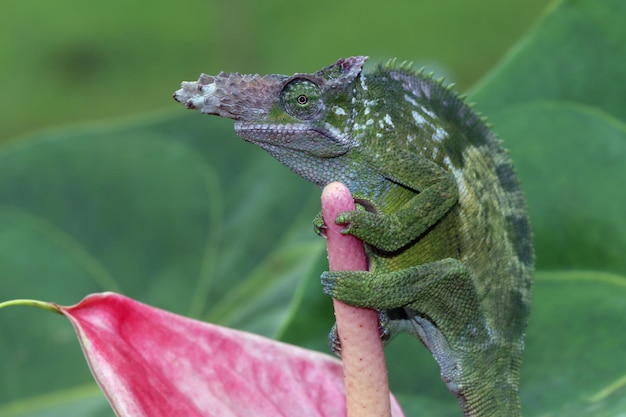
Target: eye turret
x=302 y=99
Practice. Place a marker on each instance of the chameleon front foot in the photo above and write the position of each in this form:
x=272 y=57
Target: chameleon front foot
x=319 y=227
x=381 y=231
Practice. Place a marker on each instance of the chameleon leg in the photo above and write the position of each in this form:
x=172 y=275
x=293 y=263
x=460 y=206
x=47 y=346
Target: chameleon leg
x=442 y=292
x=445 y=313
x=392 y=230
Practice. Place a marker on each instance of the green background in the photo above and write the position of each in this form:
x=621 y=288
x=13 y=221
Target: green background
x=70 y=60
x=169 y=207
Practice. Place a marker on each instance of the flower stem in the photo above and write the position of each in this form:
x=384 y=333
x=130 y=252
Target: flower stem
x=32 y=303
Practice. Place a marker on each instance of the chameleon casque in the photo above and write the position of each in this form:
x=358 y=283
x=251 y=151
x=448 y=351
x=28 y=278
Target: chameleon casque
x=441 y=213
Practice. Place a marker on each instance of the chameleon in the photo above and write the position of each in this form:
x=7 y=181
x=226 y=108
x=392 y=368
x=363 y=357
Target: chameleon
x=439 y=207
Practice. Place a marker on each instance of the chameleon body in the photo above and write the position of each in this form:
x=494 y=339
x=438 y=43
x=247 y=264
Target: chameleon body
x=440 y=212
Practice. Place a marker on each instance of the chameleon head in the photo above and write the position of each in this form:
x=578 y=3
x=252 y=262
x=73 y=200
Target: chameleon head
x=309 y=113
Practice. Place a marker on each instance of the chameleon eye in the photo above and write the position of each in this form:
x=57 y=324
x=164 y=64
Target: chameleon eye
x=302 y=99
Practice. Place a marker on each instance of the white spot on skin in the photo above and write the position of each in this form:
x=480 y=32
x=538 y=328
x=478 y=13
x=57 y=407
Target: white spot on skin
x=410 y=100
x=335 y=133
x=340 y=111
x=363 y=83
x=448 y=162
x=428 y=112
x=440 y=134
x=458 y=176
x=419 y=119
x=388 y=120
x=368 y=106
x=427 y=120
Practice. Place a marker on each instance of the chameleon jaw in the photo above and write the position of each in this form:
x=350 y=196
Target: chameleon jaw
x=300 y=137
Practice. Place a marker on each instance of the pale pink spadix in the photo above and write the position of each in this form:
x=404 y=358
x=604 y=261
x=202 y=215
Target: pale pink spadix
x=365 y=371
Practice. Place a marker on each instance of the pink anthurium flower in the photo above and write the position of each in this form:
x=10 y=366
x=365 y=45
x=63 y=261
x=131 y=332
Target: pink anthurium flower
x=150 y=362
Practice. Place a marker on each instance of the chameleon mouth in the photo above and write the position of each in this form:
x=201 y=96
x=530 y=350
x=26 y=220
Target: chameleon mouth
x=278 y=133
x=300 y=137
x=269 y=130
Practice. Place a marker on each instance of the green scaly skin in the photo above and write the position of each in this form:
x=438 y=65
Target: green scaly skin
x=441 y=214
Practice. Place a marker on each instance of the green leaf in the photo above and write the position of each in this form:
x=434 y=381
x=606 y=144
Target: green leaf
x=571 y=159
x=577 y=54
x=573 y=362
x=172 y=211
x=556 y=103
x=80 y=401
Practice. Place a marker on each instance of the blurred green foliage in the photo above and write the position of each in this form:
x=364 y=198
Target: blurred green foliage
x=173 y=210
x=71 y=60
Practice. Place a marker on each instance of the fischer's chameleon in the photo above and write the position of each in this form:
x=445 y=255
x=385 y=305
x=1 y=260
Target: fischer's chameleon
x=440 y=212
